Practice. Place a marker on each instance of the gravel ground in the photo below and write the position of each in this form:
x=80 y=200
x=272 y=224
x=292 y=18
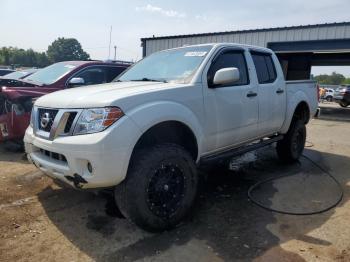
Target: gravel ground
x=40 y=220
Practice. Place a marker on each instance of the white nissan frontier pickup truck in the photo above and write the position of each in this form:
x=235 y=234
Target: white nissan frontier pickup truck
x=145 y=134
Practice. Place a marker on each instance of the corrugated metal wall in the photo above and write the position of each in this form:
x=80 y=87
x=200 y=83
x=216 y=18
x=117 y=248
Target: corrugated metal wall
x=253 y=37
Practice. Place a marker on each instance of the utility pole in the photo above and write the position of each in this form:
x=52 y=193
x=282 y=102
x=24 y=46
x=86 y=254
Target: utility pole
x=109 y=47
x=115 y=52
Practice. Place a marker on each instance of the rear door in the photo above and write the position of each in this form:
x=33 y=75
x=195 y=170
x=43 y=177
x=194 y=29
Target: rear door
x=231 y=110
x=272 y=93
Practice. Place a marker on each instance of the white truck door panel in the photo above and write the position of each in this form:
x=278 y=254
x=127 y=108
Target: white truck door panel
x=272 y=93
x=231 y=110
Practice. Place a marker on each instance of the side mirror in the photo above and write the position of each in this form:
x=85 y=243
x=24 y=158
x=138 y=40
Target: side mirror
x=76 y=81
x=226 y=76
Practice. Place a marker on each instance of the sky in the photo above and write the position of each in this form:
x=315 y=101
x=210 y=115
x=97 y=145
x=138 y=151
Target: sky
x=37 y=23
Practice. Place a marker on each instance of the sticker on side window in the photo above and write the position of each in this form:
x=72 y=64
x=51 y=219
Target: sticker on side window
x=195 y=53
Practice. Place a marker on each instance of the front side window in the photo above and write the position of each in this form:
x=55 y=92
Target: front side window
x=93 y=76
x=230 y=59
x=174 y=65
x=264 y=66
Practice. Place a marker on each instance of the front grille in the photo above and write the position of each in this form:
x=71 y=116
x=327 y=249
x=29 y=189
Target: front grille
x=64 y=120
x=53 y=155
x=46 y=118
x=70 y=122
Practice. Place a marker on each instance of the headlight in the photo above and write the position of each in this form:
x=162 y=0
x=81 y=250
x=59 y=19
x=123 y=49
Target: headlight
x=97 y=119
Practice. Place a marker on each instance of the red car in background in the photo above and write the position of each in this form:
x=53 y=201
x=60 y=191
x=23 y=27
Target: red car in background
x=14 y=78
x=16 y=102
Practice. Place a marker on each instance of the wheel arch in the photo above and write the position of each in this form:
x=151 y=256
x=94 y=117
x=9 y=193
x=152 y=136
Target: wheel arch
x=298 y=108
x=302 y=112
x=170 y=131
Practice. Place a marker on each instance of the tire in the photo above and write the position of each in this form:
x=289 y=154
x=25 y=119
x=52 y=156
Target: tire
x=343 y=104
x=290 y=148
x=329 y=98
x=151 y=200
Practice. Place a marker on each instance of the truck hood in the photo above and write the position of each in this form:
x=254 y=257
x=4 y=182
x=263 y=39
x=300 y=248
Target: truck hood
x=99 y=95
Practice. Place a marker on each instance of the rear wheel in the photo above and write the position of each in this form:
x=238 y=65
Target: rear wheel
x=329 y=98
x=343 y=104
x=290 y=148
x=160 y=187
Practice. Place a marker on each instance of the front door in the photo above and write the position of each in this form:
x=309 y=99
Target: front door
x=231 y=110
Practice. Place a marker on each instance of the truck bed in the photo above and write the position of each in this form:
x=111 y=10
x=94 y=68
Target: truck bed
x=298 y=88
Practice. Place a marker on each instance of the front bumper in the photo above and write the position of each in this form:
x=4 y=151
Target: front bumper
x=67 y=158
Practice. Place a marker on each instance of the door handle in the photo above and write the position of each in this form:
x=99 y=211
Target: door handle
x=251 y=94
x=279 y=91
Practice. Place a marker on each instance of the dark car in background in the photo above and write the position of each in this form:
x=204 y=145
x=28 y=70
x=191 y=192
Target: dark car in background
x=342 y=95
x=14 y=78
x=5 y=71
x=16 y=102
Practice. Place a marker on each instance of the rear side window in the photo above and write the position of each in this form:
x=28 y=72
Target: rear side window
x=230 y=59
x=265 y=68
x=113 y=72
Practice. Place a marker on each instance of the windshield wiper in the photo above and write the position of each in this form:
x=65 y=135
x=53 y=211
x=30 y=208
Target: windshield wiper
x=149 y=80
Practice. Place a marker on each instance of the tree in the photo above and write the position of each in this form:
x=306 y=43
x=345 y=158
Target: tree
x=4 y=56
x=347 y=81
x=333 y=79
x=20 y=57
x=41 y=59
x=64 y=49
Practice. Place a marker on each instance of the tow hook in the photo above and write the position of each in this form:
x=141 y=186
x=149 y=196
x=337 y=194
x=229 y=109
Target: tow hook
x=77 y=180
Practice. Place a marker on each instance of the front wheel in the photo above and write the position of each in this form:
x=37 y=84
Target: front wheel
x=290 y=148
x=160 y=187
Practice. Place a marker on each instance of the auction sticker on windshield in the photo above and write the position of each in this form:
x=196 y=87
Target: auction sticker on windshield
x=194 y=53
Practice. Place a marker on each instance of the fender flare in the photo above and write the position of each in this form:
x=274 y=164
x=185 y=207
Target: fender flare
x=292 y=104
x=151 y=114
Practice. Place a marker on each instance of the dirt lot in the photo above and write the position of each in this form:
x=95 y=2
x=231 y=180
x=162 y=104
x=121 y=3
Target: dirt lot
x=40 y=220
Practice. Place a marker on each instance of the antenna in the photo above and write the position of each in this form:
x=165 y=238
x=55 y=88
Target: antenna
x=109 y=46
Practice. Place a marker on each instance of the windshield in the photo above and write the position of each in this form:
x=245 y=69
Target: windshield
x=15 y=75
x=176 y=65
x=20 y=74
x=51 y=74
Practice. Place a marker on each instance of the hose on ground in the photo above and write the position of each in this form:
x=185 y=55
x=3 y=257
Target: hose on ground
x=260 y=204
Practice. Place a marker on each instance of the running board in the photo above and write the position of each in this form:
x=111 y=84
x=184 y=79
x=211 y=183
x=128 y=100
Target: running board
x=238 y=151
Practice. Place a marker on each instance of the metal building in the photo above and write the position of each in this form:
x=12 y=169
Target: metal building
x=298 y=47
